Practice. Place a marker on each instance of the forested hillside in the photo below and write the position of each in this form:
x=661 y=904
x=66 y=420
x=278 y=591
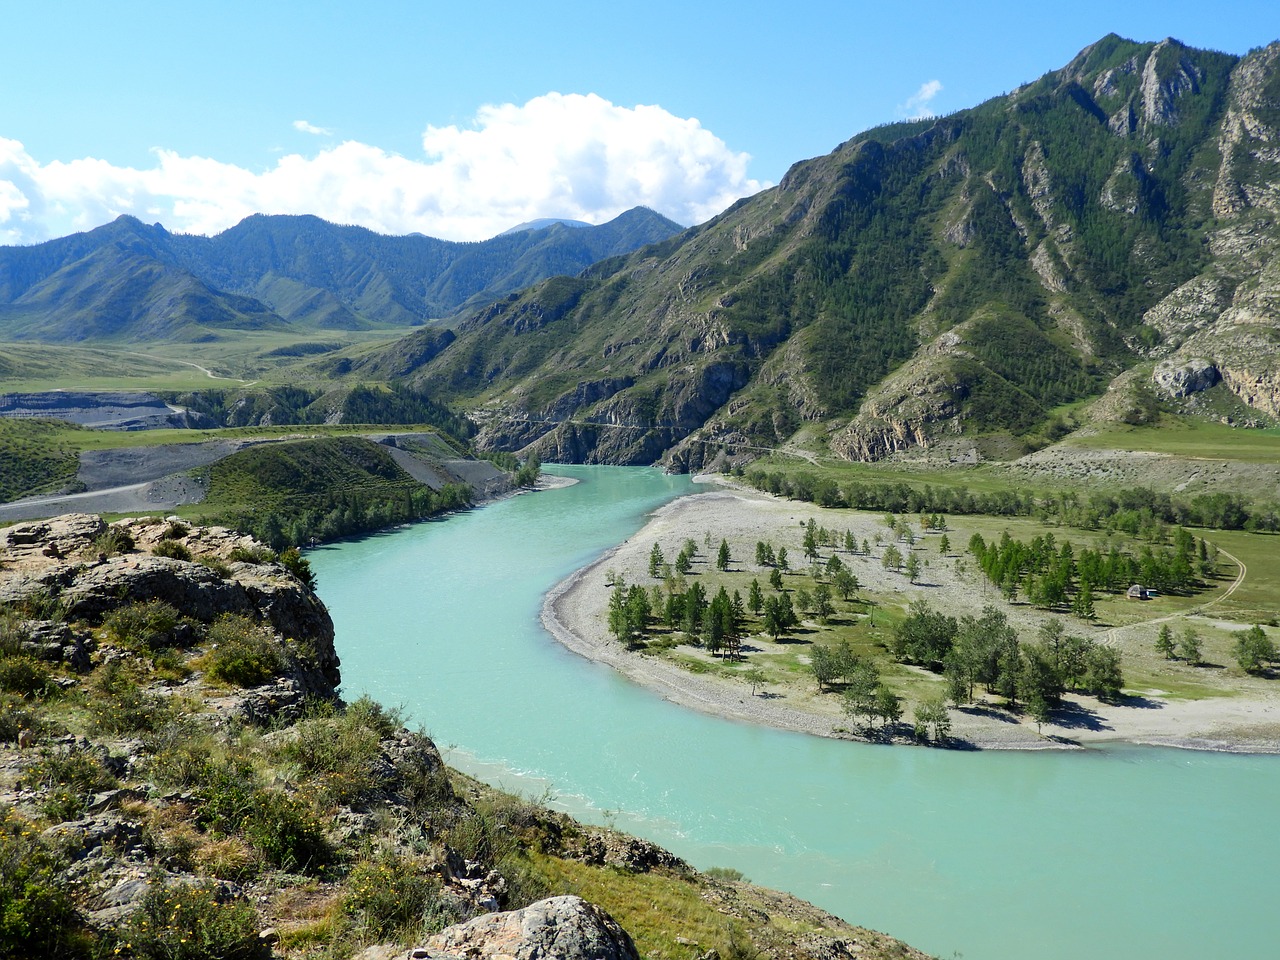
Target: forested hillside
x=964 y=275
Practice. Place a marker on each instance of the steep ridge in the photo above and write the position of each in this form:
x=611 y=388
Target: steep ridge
x=957 y=275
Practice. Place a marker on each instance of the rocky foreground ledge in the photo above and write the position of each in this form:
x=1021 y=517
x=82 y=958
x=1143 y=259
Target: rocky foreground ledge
x=180 y=779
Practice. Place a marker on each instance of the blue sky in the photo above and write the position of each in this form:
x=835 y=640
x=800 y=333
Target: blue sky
x=459 y=120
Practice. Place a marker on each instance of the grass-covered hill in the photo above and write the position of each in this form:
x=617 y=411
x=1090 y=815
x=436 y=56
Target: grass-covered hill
x=179 y=780
x=133 y=283
x=969 y=274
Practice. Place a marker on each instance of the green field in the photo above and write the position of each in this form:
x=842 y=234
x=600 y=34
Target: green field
x=234 y=358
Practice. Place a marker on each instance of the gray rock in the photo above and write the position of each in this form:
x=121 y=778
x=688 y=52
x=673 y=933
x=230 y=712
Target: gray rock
x=80 y=838
x=1181 y=378
x=567 y=928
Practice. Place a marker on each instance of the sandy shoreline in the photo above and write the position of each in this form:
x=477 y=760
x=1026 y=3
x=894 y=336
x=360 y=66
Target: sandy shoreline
x=574 y=612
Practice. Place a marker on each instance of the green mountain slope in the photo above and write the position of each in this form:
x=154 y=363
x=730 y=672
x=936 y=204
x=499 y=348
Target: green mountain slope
x=960 y=275
x=134 y=283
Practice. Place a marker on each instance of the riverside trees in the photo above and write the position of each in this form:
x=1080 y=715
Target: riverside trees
x=987 y=651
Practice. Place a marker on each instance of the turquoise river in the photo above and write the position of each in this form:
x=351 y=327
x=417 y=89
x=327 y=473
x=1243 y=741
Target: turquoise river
x=1125 y=852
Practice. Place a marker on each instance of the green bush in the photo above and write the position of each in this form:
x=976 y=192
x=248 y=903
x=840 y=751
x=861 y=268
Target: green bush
x=282 y=828
x=37 y=916
x=172 y=549
x=120 y=705
x=286 y=832
x=252 y=555
x=191 y=922
x=338 y=752
x=147 y=625
x=176 y=530
x=392 y=899
x=179 y=753
x=26 y=676
x=13 y=633
x=113 y=540
x=220 y=567
x=17 y=715
x=293 y=561
x=67 y=781
x=244 y=653
x=39 y=605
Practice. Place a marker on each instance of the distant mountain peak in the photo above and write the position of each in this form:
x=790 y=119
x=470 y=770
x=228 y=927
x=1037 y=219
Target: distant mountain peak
x=543 y=223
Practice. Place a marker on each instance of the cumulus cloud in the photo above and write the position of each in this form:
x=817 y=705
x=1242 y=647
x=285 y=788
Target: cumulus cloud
x=302 y=126
x=917 y=105
x=559 y=155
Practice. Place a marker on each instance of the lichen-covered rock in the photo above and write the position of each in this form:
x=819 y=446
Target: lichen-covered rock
x=566 y=928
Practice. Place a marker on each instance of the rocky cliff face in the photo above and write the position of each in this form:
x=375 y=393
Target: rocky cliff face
x=176 y=768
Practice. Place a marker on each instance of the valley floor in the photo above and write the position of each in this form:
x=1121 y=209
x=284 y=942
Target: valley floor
x=1244 y=715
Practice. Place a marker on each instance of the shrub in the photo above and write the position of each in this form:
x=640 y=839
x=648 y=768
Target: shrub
x=176 y=530
x=293 y=561
x=122 y=706
x=148 y=625
x=26 y=676
x=724 y=873
x=244 y=654
x=37 y=916
x=13 y=633
x=252 y=555
x=17 y=715
x=338 y=752
x=285 y=831
x=40 y=605
x=180 y=753
x=220 y=567
x=172 y=549
x=280 y=827
x=113 y=540
x=393 y=899
x=228 y=858
x=67 y=781
x=191 y=922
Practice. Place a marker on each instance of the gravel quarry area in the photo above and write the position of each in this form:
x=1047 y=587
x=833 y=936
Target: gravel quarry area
x=1133 y=468
x=155 y=478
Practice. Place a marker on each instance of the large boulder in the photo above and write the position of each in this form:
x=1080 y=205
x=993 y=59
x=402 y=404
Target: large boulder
x=565 y=928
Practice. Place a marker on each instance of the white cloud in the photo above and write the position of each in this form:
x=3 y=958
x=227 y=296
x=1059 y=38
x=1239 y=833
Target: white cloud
x=917 y=105
x=576 y=156
x=302 y=126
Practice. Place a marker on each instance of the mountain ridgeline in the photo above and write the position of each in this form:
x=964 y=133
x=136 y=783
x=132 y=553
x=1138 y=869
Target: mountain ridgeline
x=1110 y=228
x=129 y=282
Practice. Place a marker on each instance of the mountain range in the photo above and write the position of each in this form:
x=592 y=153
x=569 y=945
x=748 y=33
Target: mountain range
x=1105 y=233
x=1097 y=245
x=130 y=282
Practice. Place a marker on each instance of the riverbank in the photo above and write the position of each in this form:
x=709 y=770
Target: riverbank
x=1246 y=719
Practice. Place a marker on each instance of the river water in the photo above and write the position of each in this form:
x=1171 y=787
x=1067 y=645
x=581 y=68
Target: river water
x=1117 y=853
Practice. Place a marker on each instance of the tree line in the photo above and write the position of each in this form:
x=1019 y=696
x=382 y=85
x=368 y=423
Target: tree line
x=1138 y=511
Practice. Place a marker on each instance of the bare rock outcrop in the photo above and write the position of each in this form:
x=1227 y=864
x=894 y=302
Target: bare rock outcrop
x=63 y=560
x=1176 y=378
x=566 y=928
